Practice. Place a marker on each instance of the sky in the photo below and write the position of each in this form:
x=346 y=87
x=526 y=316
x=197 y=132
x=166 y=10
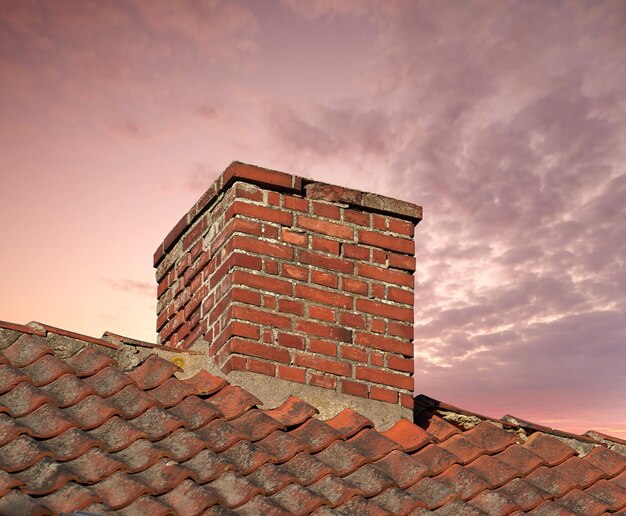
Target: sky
x=505 y=120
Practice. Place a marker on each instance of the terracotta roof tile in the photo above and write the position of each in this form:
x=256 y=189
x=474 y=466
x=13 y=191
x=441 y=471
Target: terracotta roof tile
x=523 y=493
x=270 y=478
x=298 y=500
x=520 y=458
x=404 y=469
x=70 y=497
x=612 y=463
x=45 y=370
x=494 y=503
x=306 y=469
x=408 y=435
x=189 y=498
x=462 y=481
x=493 y=471
x=459 y=507
x=550 y=508
x=396 y=501
x=67 y=390
x=79 y=433
x=233 y=401
x=348 y=422
x=87 y=361
x=342 y=458
x=550 y=449
x=153 y=372
x=26 y=350
x=317 y=434
x=608 y=493
x=108 y=381
x=336 y=490
x=432 y=492
x=195 y=412
x=23 y=399
x=580 y=502
x=435 y=458
x=256 y=424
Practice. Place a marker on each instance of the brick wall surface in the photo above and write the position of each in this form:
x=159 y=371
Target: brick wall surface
x=308 y=282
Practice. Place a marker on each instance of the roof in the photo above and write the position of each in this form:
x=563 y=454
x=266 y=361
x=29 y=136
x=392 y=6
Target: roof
x=87 y=425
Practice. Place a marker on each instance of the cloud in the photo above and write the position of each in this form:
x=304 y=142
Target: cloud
x=507 y=125
x=132 y=286
x=130 y=128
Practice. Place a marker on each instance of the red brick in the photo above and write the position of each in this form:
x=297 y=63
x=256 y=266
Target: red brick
x=352 y=320
x=192 y=235
x=401 y=226
x=237 y=225
x=273 y=198
x=294 y=271
x=257 y=175
x=291 y=341
x=323 y=296
x=376 y=393
x=267 y=336
x=291 y=237
x=183 y=264
x=248 y=191
x=323 y=364
x=352 y=353
x=407 y=400
x=400 y=330
x=398 y=313
x=324 y=244
x=322 y=313
x=377 y=325
x=295 y=203
x=234 y=363
x=264 y=213
x=270 y=266
x=377 y=291
x=254 y=245
x=329 y=211
x=322 y=380
x=291 y=306
x=384 y=343
x=270 y=231
x=326 y=262
x=379 y=222
x=357 y=217
x=246 y=296
x=379 y=257
x=402 y=245
x=400 y=364
x=267 y=318
x=354 y=285
x=246 y=347
x=326 y=228
x=323 y=347
x=262 y=282
x=402 y=261
x=357 y=252
x=325 y=278
x=406 y=297
x=292 y=373
x=258 y=366
x=384 y=377
x=354 y=388
x=388 y=276
x=269 y=301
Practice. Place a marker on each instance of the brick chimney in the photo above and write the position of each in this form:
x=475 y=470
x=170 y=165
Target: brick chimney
x=306 y=283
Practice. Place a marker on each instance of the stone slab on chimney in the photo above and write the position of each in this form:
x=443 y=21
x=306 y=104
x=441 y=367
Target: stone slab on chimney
x=296 y=286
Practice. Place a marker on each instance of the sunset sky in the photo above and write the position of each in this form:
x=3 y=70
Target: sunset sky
x=505 y=120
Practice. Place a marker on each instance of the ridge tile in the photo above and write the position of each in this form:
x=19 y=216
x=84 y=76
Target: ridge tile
x=548 y=448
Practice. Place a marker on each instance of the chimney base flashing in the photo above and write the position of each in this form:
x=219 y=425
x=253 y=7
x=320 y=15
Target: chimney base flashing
x=273 y=391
